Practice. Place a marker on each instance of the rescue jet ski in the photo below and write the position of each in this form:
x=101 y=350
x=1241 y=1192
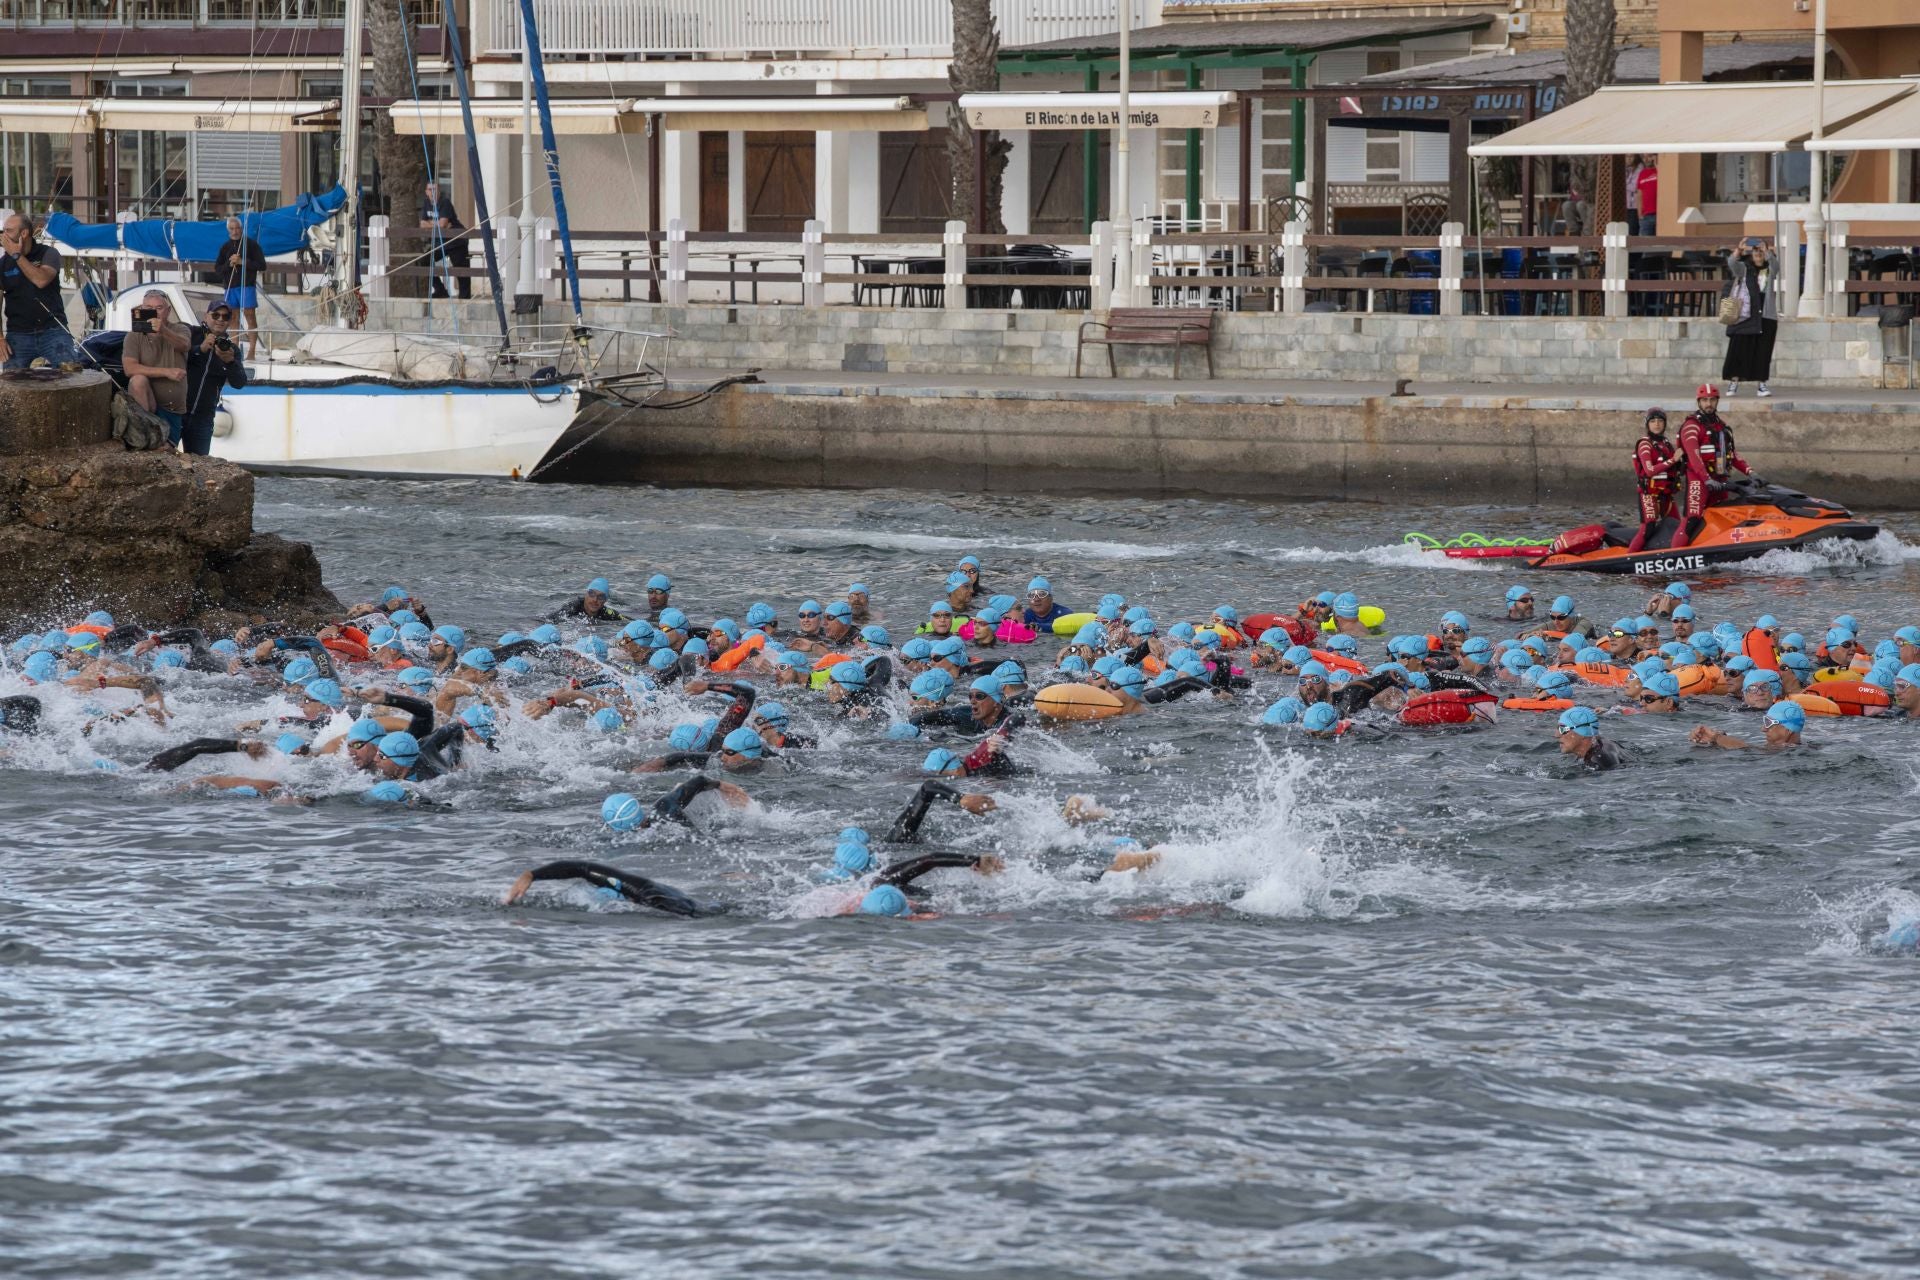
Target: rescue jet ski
x=1754 y=518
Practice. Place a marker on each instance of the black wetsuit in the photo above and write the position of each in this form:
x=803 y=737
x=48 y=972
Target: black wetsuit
x=311 y=646
x=422 y=712
x=662 y=897
x=201 y=657
x=578 y=609
x=173 y=757
x=20 y=713
x=440 y=752
x=735 y=715
x=906 y=828
x=960 y=718
x=1603 y=756
x=1354 y=696
x=1221 y=680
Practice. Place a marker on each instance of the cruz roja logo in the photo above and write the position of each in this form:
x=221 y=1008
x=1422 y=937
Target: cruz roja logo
x=1670 y=564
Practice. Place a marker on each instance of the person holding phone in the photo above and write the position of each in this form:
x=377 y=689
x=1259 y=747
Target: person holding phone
x=154 y=358
x=35 y=313
x=1756 y=318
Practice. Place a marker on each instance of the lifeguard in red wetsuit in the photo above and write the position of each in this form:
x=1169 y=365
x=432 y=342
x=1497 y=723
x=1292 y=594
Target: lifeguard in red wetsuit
x=1707 y=442
x=1656 y=474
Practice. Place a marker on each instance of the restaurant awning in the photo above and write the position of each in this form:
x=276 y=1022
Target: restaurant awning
x=1895 y=127
x=216 y=115
x=1693 y=119
x=46 y=115
x=628 y=115
x=1173 y=110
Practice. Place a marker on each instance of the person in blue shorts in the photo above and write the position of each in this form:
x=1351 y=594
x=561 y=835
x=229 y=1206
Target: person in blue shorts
x=237 y=267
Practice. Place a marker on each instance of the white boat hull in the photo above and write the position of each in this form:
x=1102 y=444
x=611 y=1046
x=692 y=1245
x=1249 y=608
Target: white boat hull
x=375 y=426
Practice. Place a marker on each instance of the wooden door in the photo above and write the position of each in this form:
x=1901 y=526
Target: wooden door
x=715 y=190
x=1057 y=182
x=916 y=189
x=779 y=181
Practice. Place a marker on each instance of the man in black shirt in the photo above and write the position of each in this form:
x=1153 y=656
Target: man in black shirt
x=437 y=216
x=213 y=364
x=238 y=266
x=36 y=315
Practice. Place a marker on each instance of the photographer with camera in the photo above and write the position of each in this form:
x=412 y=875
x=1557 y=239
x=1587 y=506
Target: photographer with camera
x=36 y=314
x=154 y=358
x=213 y=364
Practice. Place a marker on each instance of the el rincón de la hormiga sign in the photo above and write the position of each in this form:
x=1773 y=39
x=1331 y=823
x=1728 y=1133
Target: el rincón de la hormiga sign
x=1150 y=117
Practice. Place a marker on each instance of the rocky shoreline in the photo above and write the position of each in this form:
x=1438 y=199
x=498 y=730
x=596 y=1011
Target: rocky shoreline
x=154 y=537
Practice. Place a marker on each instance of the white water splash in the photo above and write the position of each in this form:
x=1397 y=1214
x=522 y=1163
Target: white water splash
x=1833 y=553
x=1859 y=923
x=1393 y=555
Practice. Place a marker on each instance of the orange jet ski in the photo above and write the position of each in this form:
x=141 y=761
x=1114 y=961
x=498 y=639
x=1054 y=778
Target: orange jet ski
x=1754 y=518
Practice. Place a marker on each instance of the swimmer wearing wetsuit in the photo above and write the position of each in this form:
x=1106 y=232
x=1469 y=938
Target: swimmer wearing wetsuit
x=665 y=898
x=1579 y=735
x=906 y=828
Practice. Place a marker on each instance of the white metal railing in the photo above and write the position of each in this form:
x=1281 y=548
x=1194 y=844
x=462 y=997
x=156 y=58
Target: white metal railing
x=738 y=27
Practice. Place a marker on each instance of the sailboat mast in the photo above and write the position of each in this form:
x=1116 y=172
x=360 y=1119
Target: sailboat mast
x=346 y=254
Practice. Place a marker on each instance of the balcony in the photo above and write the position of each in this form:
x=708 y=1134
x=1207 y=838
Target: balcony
x=775 y=28
x=128 y=14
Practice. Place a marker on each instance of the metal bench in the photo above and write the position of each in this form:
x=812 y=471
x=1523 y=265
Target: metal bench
x=1149 y=327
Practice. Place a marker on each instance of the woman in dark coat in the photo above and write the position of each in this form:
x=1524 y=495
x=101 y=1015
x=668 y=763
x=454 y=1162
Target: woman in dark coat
x=1756 y=318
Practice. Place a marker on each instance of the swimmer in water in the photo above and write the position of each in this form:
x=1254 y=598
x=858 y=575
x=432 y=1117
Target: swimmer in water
x=592 y=606
x=1785 y=720
x=1579 y=734
x=881 y=894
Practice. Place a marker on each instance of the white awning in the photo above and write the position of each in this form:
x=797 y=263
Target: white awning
x=216 y=115
x=629 y=115
x=1189 y=109
x=1895 y=127
x=46 y=115
x=1693 y=119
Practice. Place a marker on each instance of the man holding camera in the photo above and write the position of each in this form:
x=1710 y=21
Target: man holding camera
x=36 y=315
x=154 y=359
x=213 y=364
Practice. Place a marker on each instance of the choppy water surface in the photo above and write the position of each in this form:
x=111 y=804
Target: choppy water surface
x=1436 y=1005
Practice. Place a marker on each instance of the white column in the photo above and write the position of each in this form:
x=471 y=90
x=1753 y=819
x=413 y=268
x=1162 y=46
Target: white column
x=1293 y=270
x=496 y=176
x=1453 y=265
x=863 y=181
x=953 y=245
x=676 y=290
x=1786 y=263
x=1613 y=281
x=830 y=155
x=737 y=180
x=680 y=169
x=1015 y=192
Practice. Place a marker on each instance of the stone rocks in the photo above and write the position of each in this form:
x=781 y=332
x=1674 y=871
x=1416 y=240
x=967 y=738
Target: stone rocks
x=42 y=410
x=154 y=537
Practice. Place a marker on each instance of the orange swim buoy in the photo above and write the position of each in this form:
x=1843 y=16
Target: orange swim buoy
x=1758 y=646
x=1539 y=704
x=1255 y=623
x=347 y=647
x=1697 y=679
x=1604 y=674
x=91 y=628
x=1152 y=665
x=1339 y=662
x=1855 y=697
x=732 y=658
x=827 y=662
x=1815 y=705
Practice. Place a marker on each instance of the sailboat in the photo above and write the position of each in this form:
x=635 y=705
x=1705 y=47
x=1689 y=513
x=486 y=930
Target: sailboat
x=357 y=401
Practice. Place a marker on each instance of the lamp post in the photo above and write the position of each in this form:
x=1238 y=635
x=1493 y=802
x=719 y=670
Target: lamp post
x=1813 y=296
x=1121 y=201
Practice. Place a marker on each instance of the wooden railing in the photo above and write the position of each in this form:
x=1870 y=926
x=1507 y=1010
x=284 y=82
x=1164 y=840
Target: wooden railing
x=85 y=14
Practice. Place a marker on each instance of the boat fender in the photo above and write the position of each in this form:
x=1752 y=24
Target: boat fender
x=222 y=422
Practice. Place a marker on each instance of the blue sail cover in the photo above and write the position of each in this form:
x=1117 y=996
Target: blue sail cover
x=278 y=231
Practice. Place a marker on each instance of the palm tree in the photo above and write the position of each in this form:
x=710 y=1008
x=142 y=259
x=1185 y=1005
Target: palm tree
x=975 y=69
x=391 y=40
x=1590 y=55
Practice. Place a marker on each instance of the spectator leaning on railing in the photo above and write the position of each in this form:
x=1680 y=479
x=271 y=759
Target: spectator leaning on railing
x=35 y=313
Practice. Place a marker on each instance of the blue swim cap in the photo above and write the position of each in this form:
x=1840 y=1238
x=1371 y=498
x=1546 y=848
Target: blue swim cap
x=99 y=618
x=480 y=718
x=1908 y=635
x=1535 y=645
x=659 y=582
x=1073 y=664
x=1135 y=613
x=417 y=678
x=386 y=791
x=760 y=613
x=599 y=586
x=607 y=720
x=1562 y=607
x=404 y=618
x=621 y=811
x=1313 y=670
x=1419 y=680
x=1793 y=641
x=1107 y=665
x=1758 y=678
x=1737 y=665
x=1325 y=597
x=952 y=648
x=1181 y=631
x=365 y=729
x=932 y=685
x=289 y=744
x=1226 y=612
x=24 y=645
x=849 y=675
x=40 y=667
x=692 y=737
x=858 y=589
x=1648 y=667
x=1580 y=720
x=545 y=633
x=1127 y=678
x=1389 y=668
x=1909 y=674
x=414 y=632
x=884 y=900
x=852 y=857
x=225 y=647
x=1846 y=620
x=1517 y=594
x=1455 y=618
x=728 y=628
x=1788 y=715
x=902 y=731
x=1665 y=684
x=1286 y=711
x=326 y=692
x=792 y=659
x=1838 y=636
x=1346 y=605
x=1885 y=651
x=84 y=642
x=988 y=686
x=379 y=636
x=1882 y=676
x=1107 y=612
x=1679 y=591
x=400 y=747
x=393 y=593
x=1593 y=653
x=958 y=579
x=744 y=742
x=694 y=648
x=518 y=665
x=1798 y=663
x=1039 y=584
x=970 y=560
x=1645 y=623
x=1010 y=672
x=55 y=639
x=590 y=647
x=1143 y=627
x=918 y=649
x=1274 y=638
x=672 y=620
x=876 y=636
x=1479 y=648
x=482 y=659
x=1297 y=654
x=455 y=637
x=1165 y=677
x=638 y=629
x=1704 y=646
x=667 y=659
x=299 y=671
x=1673 y=648
x=1319 y=717
x=1516 y=660
x=1345 y=645
x=1091 y=635
x=1002 y=604
x=940 y=760
x=939 y=607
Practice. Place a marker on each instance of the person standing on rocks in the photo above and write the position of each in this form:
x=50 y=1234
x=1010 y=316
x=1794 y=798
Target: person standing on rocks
x=35 y=313
x=213 y=364
x=155 y=360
